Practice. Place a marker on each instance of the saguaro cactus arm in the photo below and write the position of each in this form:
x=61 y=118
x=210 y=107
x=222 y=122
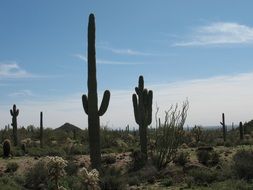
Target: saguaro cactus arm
x=136 y=111
x=104 y=103
x=85 y=103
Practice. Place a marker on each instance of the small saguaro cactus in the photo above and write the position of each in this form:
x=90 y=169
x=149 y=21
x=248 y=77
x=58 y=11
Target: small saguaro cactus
x=90 y=102
x=6 y=148
x=143 y=112
x=241 y=131
x=14 y=113
x=41 y=129
x=224 y=129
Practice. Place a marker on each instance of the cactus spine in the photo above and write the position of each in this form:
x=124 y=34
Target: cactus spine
x=224 y=127
x=6 y=148
x=90 y=102
x=143 y=112
x=14 y=113
x=41 y=129
x=241 y=131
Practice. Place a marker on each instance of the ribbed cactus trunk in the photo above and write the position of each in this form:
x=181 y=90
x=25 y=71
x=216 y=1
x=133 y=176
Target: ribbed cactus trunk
x=41 y=129
x=241 y=131
x=14 y=113
x=224 y=129
x=143 y=112
x=90 y=103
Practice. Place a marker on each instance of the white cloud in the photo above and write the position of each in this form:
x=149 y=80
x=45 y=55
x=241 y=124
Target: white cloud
x=219 y=33
x=107 y=62
x=208 y=98
x=126 y=51
x=12 y=70
x=22 y=93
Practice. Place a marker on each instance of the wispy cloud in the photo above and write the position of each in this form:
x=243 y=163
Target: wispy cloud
x=22 y=93
x=12 y=70
x=219 y=33
x=127 y=51
x=108 y=62
x=208 y=98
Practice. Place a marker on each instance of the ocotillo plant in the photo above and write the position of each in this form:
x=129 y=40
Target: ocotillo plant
x=143 y=112
x=241 y=131
x=90 y=102
x=14 y=113
x=41 y=129
x=224 y=127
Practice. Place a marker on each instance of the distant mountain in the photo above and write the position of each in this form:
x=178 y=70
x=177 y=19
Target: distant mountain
x=67 y=127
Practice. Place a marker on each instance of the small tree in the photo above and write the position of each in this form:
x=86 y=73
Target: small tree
x=169 y=135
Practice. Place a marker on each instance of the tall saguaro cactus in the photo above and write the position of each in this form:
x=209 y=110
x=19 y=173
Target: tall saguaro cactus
x=143 y=112
x=241 y=131
x=14 y=113
x=90 y=102
x=224 y=129
x=41 y=129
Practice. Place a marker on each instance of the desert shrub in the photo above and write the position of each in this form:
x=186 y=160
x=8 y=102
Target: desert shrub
x=17 y=151
x=232 y=185
x=167 y=182
x=169 y=135
x=197 y=133
x=208 y=157
x=37 y=175
x=6 y=148
x=11 y=167
x=72 y=182
x=243 y=164
x=108 y=159
x=214 y=158
x=7 y=183
x=203 y=156
x=138 y=160
x=77 y=149
x=134 y=180
x=111 y=179
x=71 y=168
x=203 y=175
x=182 y=158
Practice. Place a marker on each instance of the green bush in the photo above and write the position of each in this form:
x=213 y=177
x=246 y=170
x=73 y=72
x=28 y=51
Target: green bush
x=203 y=175
x=167 y=182
x=182 y=158
x=232 y=185
x=11 y=167
x=138 y=160
x=203 y=156
x=111 y=179
x=243 y=164
x=37 y=175
x=7 y=183
x=71 y=168
x=108 y=159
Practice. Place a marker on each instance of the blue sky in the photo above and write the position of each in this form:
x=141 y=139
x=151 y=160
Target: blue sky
x=185 y=49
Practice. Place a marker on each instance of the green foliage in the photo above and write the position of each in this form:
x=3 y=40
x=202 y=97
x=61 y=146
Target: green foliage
x=208 y=157
x=33 y=178
x=11 y=167
x=71 y=168
x=197 y=133
x=111 y=179
x=108 y=159
x=182 y=158
x=6 y=148
x=8 y=183
x=203 y=175
x=138 y=160
x=243 y=164
x=167 y=182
